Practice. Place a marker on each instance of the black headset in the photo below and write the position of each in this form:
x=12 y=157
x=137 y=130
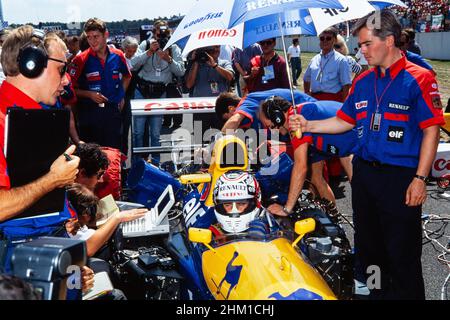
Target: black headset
x=33 y=59
x=274 y=112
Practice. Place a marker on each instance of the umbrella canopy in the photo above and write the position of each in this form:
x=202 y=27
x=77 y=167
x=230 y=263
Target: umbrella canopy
x=353 y=9
x=225 y=14
x=304 y=21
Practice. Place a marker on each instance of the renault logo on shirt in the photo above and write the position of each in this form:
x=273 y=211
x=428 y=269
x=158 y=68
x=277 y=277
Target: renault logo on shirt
x=396 y=134
x=399 y=107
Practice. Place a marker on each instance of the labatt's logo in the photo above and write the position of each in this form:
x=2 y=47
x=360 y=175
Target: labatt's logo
x=217 y=33
x=442 y=164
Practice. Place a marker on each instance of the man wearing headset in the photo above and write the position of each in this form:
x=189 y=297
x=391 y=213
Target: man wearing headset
x=243 y=113
x=35 y=66
x=311 y=148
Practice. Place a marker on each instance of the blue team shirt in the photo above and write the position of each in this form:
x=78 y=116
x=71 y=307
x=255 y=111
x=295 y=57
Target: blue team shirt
x=418 y=59
x=88 y=72
x=411 y=104
x=337 y=145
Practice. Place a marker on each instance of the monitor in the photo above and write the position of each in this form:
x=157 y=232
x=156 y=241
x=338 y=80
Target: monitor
x=164 y=204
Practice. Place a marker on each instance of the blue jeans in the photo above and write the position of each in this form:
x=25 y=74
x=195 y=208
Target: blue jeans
x=154 y=125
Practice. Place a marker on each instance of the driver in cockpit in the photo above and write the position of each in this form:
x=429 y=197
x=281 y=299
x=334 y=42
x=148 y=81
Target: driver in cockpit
x=237 y=206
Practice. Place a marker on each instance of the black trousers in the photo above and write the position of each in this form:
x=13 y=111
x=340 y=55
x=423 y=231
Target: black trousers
x=126 y=125
x=388 y=234
x=101 y=125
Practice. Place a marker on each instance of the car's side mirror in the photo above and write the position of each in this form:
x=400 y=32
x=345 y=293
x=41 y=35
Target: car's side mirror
x=302 y=228
x=203 y=236
x=195 y=179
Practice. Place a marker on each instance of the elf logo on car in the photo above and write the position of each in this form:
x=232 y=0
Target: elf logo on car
x=192 y=211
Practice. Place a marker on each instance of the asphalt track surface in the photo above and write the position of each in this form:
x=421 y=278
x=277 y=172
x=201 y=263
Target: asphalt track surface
x=434 y=272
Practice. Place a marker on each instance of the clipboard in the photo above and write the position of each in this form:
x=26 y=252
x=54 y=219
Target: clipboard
x=34 y=139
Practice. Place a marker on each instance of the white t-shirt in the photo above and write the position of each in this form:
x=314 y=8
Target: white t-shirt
x=83 y=234
x=226 y=53
x=294 y=51
x=361 y=59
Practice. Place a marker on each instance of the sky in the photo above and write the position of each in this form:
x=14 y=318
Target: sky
x=22 y=11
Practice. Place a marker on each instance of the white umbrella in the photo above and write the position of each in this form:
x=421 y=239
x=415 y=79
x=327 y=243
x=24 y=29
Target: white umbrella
x=225 y=14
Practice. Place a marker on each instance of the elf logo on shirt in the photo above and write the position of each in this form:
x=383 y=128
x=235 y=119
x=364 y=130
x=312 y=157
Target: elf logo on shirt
x=361 y=105
x=396 y=134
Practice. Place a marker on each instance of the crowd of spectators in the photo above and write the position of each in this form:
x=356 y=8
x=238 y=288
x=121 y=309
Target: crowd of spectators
x=419 y=15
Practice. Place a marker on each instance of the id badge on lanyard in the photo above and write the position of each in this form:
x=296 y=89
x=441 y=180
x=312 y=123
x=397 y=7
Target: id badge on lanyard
x=158 y=72
x=375 y=124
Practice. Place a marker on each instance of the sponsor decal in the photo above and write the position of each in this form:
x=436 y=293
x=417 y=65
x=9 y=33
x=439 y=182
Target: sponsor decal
x=300 y=294
x=209 y=16
x=332 y=149
x=179 y=106
x=435 y=86
x=399 y=106
x=437 y=103
x=254 y=5
x=232 y=275
x=360 y=132
x=217 y=33
x=93 y=76
x=396 y=134
x=442 y=165
x=361 y=105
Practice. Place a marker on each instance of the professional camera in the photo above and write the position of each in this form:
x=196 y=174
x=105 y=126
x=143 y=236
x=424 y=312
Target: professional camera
x=164 y=36
x=201 y=56
x=45 y=263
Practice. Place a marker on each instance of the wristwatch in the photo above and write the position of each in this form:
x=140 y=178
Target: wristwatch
x=286 y=211
x=424 y=179
x=216 y=66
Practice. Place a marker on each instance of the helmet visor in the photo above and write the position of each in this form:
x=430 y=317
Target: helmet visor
x=235 y=208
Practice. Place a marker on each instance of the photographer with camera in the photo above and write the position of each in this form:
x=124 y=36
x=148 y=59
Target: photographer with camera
x=208 y=76
x=156 y=71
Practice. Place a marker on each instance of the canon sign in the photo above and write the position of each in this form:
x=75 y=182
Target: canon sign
x=217 y=33
x=179 y=105
x=442 y=164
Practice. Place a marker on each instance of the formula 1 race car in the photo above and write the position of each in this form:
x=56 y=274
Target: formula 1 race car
x=304 y=257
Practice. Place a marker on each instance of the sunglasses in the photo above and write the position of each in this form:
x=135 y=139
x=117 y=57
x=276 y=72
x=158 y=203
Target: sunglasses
x=63 y=71
x=337 y=46
x=325 y=38
x=266 y=43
